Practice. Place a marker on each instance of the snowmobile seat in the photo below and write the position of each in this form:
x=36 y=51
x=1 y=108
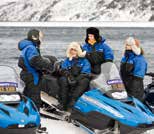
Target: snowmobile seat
x=149 y=97
x=50 y=85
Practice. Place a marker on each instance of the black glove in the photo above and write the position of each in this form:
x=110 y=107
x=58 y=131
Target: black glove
x=108 y=60
x=57 y=66
x=72 y=81
x=64 y=72
x=89 y=56
x=95 y=57
x=75 y=70
x=83 y=75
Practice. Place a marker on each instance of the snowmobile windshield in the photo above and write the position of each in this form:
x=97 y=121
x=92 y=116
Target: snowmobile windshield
x=109 y=82
x=9 y=80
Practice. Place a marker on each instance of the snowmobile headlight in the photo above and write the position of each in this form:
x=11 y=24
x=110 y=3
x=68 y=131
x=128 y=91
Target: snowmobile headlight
x=6 y=98
x=119 y=95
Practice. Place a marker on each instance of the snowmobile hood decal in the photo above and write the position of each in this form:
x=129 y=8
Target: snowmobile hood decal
x=114 y=81
x=129 y=114
x=17 y=115
x=5 y=84
x=97 y=103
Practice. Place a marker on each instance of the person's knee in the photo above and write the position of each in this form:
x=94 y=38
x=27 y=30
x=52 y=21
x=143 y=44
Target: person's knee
x=36 y=98
x=84 y=80
x=62 y=80
x=96 y=69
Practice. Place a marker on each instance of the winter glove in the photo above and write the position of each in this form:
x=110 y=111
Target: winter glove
x=52 y=59
x=64 y=72
x=72 y=81
x=75 y=70
x=90 y=57
x=54 y=63
x=57 y=66
x=95 y=57
x=50 y=68
x=83 y=75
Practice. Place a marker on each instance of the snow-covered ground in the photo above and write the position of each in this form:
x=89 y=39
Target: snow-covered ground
x=61 y=127
x=75 y=10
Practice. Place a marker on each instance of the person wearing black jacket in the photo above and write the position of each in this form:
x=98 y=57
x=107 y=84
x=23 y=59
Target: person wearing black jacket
x=75 y=76
x=33 y=64
x=133 y=68
x=97 y=50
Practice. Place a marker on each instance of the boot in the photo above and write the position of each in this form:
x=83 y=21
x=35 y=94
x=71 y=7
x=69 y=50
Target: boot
x=71 y=103
x=42 y=130
x=61 y=107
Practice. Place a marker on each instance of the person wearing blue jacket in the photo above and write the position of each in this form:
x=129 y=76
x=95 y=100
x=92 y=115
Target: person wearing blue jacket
x=97 y=50
x=75 y=76
x=33 y=64
x=133 y=68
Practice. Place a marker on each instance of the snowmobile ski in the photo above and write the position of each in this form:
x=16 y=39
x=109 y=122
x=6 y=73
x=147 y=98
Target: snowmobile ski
x=41 y=130
x=50 y=110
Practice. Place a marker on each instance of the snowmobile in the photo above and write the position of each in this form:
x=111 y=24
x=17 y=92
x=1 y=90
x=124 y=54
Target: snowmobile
x=149 y=93
x=18 y=114
x=104 y=108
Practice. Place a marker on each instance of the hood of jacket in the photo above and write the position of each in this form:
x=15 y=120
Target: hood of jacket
x=24 y=43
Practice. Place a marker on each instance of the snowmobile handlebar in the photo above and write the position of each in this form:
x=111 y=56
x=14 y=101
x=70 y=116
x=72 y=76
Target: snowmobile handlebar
x=150 y=74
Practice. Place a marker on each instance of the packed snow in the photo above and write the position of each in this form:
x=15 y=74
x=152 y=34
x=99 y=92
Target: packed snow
x=61 y=127
x=75 y=10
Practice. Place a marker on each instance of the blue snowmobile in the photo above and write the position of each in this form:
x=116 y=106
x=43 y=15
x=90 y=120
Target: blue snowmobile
x=18 y=114
x=105 y=107
x=149 y=93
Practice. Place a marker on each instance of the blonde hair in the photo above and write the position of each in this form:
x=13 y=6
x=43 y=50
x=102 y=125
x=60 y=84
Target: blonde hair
x=135 y=45
x=77 y=47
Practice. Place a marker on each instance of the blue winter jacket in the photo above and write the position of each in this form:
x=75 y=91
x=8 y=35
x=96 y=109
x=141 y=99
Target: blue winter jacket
x=83 y=63
x=139 y=64
x=100 y=47
x=28 y=51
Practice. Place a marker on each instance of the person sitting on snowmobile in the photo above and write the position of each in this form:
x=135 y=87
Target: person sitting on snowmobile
x=97 y=51
x=33 y=64
x=75 y=71
x=133 y=68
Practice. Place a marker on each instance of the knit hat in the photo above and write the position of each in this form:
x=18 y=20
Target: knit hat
x=33 y=34
x=94 y=31
x=77 y=47
x=134 y=43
